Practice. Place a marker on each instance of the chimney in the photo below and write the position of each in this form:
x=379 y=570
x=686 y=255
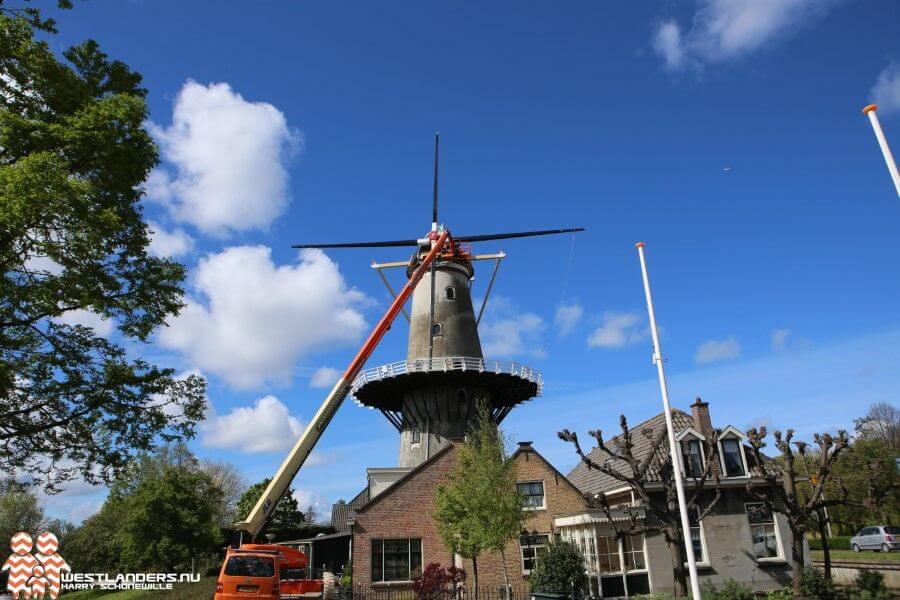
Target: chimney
x=702 y=422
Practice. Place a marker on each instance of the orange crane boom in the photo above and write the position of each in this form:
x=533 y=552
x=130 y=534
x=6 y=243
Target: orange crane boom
x=257 y=518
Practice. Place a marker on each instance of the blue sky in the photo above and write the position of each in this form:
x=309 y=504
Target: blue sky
x=726 y=134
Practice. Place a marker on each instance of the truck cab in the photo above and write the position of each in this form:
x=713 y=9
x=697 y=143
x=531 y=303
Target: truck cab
x=291 y=567
x=249 y=574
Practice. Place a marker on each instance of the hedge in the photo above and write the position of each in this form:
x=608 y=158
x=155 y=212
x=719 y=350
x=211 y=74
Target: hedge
x=838 y=542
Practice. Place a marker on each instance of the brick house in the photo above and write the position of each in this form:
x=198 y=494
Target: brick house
x=394 y=535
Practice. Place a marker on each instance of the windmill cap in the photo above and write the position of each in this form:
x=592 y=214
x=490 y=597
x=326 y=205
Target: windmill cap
x=640 y=244
x=870 y=108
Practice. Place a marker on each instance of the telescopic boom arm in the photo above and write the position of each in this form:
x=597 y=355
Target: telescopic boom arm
x=257 y=518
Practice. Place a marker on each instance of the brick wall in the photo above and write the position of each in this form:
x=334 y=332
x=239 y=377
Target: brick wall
x=405 y=512
x=560 y=497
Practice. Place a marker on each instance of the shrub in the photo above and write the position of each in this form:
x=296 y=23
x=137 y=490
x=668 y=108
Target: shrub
x=784 y=594
x=869 y=585
x=559 y=569
x=838 y=542
x=813 y=584
x=731 y=590
x=435 y=581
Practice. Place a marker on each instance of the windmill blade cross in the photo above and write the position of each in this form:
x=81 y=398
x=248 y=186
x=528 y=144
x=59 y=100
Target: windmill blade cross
x=360 y=244
x=518 y=234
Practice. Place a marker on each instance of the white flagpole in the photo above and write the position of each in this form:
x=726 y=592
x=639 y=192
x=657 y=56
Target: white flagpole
x=882 y=143
x=670 y=428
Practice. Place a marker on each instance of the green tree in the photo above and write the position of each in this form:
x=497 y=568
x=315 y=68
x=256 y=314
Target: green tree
x=559 y=569
x=162 y=512
x=171 y=520
x=73 y=157
x=479 y=509
x=19 y=510
x=286 y=518
x=96 y=545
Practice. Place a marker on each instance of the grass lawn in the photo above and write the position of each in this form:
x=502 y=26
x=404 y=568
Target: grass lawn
x=865 y=555
x=202 y=590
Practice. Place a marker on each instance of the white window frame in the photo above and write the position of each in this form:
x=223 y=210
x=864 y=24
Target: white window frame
x=534 y=547
x=690 y=434
x=705 y=562
x=732 y=432
x=543 y=505
x=409 y=552
x=766 y=559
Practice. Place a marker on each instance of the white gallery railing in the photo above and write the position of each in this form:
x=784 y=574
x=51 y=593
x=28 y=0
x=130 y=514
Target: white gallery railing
x=446 y=364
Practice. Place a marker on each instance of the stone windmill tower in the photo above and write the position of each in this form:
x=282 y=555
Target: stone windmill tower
x=432 y=395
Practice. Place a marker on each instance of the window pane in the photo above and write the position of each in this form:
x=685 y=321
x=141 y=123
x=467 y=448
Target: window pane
x=415 y=557
x=377 y=558
x=731 y=450
x=765 y=544
x=396 y=560
x=697 y=543
x=691 y=459
x=608 y=555
x=529 y=546
x=633 y=548
x=533 y=493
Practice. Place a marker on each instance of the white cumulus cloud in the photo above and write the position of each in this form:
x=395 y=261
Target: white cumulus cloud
x=267 y=426
x=250 y=320
x=717 y=350
x=567 y=318
x=618 y=329
x=226 y=157
x=168 y=243
x=88 y=318
x=886 y=91
x=324 y=377
x=723 y=30
x=506 y=331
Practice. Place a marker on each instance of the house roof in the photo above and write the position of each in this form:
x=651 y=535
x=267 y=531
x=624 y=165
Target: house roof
x=591 y=481
x=341 y=512
x=409 y=474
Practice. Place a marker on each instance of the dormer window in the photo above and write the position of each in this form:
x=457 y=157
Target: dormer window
x=732 y=457
x=692 y=458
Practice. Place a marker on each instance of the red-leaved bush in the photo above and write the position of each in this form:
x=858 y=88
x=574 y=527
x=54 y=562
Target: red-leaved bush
x=437 y=582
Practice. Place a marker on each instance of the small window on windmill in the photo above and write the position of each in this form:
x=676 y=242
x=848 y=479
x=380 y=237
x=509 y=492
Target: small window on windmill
x=462 y=396
x=415 y=436
x=435 y=329
x=451 y=293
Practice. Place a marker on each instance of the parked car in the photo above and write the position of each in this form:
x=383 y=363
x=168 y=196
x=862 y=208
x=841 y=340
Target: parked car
x=879 y=537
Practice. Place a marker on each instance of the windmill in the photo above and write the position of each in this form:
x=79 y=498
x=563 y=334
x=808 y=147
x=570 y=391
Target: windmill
x=431 y=396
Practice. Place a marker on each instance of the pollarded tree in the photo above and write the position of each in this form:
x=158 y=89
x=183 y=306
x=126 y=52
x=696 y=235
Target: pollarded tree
x=782 y=494
x=640 y=474
x=74 y=154
x=480 y=509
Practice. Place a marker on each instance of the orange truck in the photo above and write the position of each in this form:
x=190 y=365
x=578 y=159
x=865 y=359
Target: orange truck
x=269 y=571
